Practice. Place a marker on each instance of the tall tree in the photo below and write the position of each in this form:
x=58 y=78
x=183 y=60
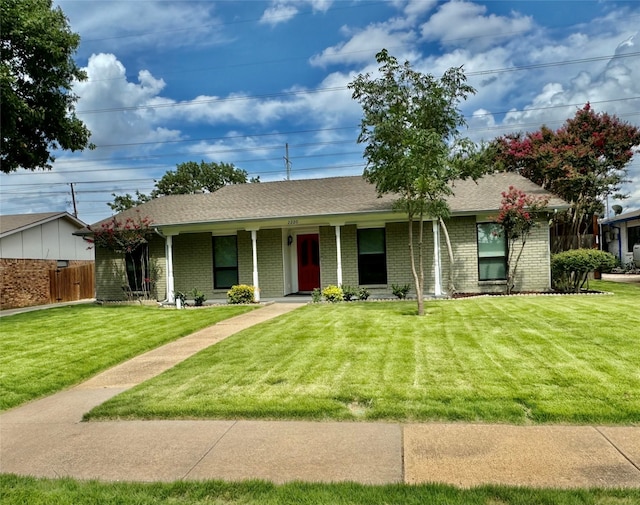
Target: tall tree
x=413 y=148
x=583 y=162
x=203 y=177
x=37 y=72
x=188 y=178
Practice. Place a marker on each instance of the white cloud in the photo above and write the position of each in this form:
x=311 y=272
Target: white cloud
x=281 y=11
x=117 y=117
x=363 y=45
x=466 y=24
x=136 y=25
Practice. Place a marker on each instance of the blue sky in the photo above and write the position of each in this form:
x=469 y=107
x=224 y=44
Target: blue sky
x=236 y=81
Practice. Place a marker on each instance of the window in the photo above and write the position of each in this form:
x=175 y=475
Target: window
x=225 y=262
x=634 y=236
x=137 y=263
x=492 y=252
x=372 y=256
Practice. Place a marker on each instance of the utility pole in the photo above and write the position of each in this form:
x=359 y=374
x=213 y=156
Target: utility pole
x=287 y=163
x=73 y=199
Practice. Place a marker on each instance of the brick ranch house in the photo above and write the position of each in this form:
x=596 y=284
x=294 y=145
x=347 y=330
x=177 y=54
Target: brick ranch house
x=293 y=236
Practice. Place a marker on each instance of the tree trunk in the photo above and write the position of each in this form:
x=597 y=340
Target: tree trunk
x=420 y=290
x=451 y=288
x=413 y=268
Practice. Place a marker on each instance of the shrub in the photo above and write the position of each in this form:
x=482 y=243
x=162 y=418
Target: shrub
x=333 y=294
x=241 y=293
x=363 y=293
x=182 y=297
x=316 y=295
x=349 y=293
x=198 y=297
x=570 y=269
x=400 y=291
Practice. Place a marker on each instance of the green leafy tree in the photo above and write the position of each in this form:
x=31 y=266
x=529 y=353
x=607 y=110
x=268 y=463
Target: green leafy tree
x=123 y=202
x=583 y=162
x=203 y=177
x=37 y=72
x=188 y=178
x=413 y=147
x=519 y=215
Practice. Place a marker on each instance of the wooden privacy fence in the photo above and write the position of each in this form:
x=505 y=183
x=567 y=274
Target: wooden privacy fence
x=72 y=283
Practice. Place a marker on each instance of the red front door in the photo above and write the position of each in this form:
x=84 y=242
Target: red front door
x=308 y=262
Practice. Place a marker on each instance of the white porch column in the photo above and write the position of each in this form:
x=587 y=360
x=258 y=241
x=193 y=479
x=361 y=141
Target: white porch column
x=339 y=254
x=437 y=267
x=169 y=269
x=254 y=248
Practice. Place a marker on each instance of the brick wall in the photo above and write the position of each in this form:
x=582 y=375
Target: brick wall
x=533 y=269
x=25 y=282
x=111 y=272
x=193 y=263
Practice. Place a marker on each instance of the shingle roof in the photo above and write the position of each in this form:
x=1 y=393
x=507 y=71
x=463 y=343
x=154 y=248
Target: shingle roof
x=333 y=196
x=13 y=223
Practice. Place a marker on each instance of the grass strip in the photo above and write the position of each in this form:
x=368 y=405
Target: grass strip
x=44 y=351
x=20 y=490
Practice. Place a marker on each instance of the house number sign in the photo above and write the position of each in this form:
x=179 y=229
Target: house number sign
x=292 y=221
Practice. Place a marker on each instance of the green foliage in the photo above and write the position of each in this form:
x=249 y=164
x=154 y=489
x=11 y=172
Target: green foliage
x=333 y=294
x=123 y=202
x=413 y=147
x=363 y=294
x=241 y=293
x=583 y=162
x=198 y=297
x=316 y=295
x=400 y=291
x=37 y=71
x=203 y=177
x=518 y=216
x=570 y=269
x=182 y=296
x=123 y=235
x=349 y=293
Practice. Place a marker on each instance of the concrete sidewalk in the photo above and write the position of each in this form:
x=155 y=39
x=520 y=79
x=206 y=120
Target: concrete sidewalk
x=47 y=438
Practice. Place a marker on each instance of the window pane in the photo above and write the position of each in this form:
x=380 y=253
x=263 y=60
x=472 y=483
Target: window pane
x=371 y=241
x=492 y=252
x=372 y=258
x=226 y=278
x=491 y=241
x=225 y=251
x=225 y=262
x=634 y=237
x=492 y=269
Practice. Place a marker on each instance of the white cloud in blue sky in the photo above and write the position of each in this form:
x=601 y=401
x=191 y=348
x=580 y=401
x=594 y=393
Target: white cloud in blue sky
x=235 y=81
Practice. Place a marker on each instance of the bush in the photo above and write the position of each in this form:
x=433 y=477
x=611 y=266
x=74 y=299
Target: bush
x=241 y=293
x=333 y=294
x=182 y=297
x=349 y=293
x=316 y=295
x=570 y=269
x=400 y=291
x=198 y=297
x=363 y=294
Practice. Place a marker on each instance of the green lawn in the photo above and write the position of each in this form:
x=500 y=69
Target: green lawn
x=20 y=490
x=45 y=351
x=536 y=359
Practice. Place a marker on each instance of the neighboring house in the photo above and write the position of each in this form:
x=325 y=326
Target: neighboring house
x=34 y=250
x=293 y=236
x=620 y=233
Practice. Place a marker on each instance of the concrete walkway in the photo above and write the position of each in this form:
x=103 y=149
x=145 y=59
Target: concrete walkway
x=47 y=438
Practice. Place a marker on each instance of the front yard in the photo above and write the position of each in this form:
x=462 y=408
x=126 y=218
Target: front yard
x=45 y=351
x=537 y=359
